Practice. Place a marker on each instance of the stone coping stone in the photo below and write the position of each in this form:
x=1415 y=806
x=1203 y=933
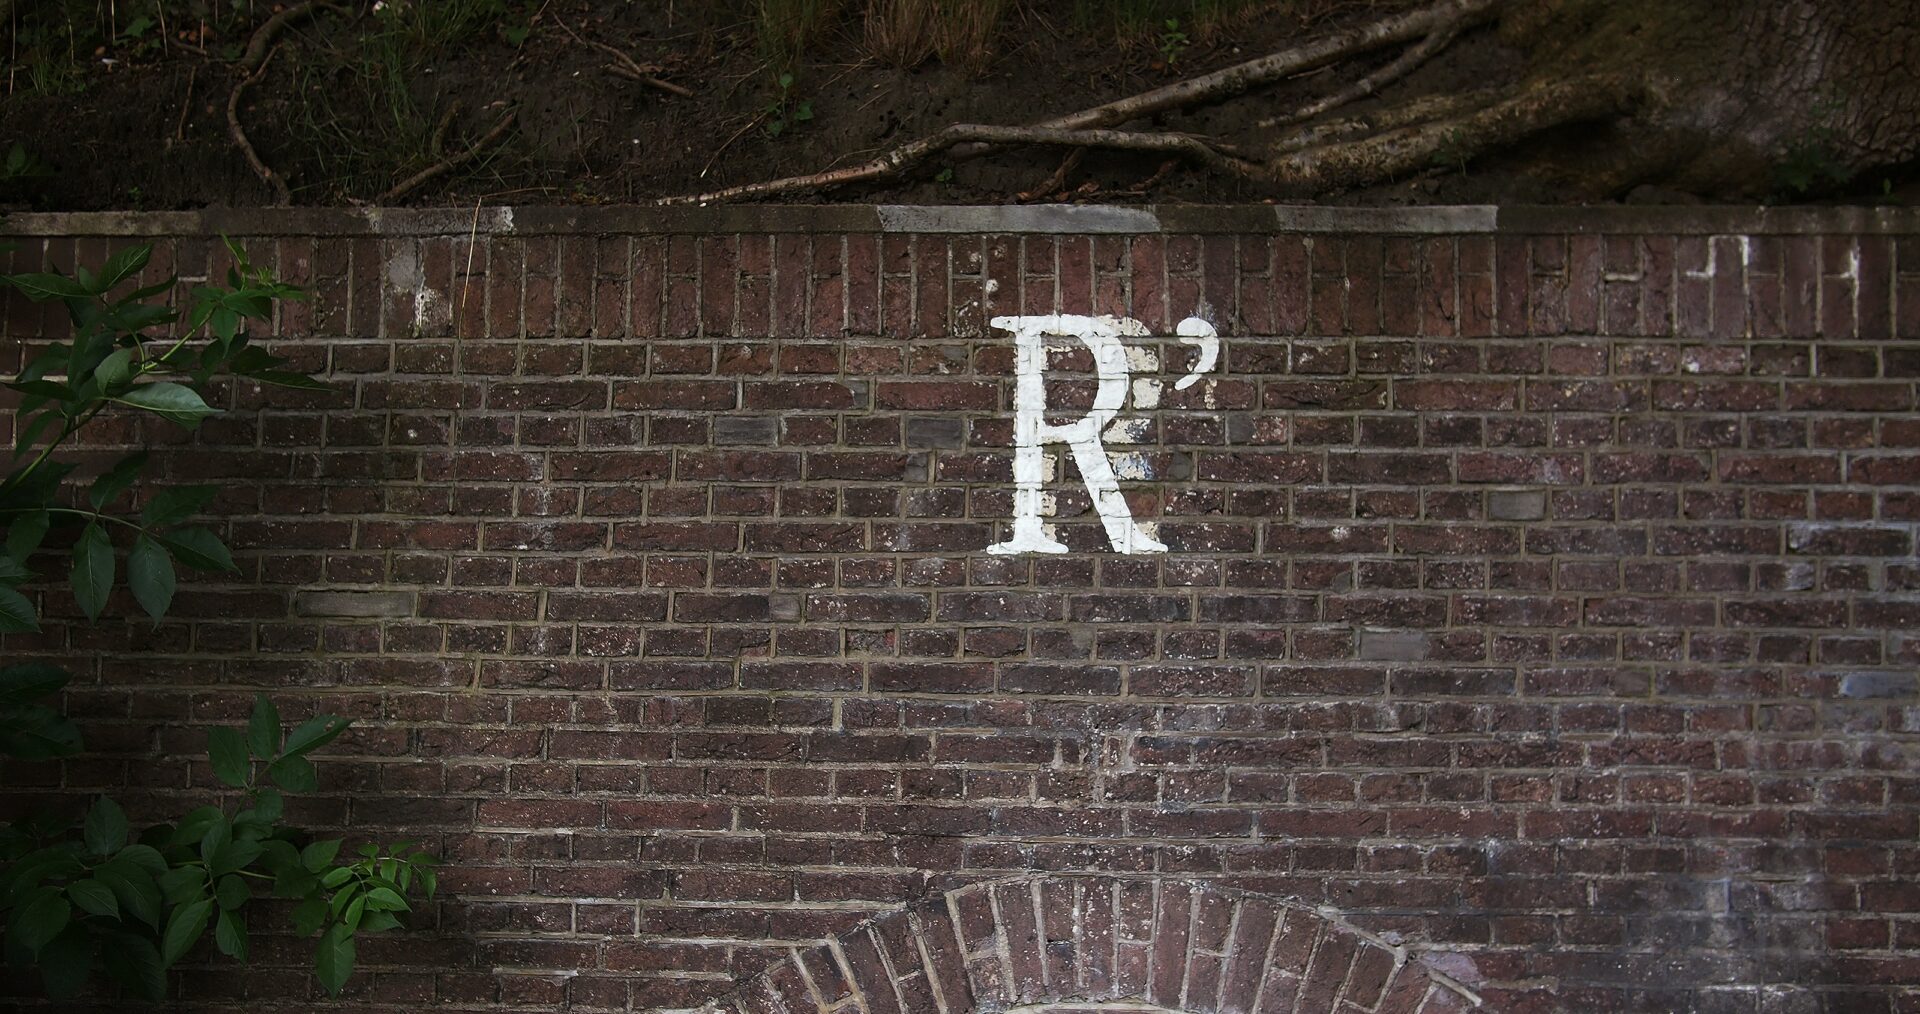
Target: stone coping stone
x=1686 y=220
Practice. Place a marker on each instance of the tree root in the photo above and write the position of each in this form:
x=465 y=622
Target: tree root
x=905 y=157
x=1430 y=28
x=1402 y=65
x=282 y=195
x=253 y=64
x=1384 y=156
x=1055 y=182
x=1273 y=67
x=1413 y=111
x=270 y=29
x=450 y=163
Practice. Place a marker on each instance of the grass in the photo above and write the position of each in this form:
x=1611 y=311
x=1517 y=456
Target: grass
x=1137 y=20
x=373 y=83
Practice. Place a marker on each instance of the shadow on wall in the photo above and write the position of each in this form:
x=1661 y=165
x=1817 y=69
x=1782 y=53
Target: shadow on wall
x=1072 y=942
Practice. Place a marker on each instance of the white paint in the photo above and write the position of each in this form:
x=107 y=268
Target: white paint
x=1200 y=334
x=1086 y=436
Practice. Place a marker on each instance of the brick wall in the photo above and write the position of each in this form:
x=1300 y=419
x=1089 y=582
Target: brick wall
x=1538 y=625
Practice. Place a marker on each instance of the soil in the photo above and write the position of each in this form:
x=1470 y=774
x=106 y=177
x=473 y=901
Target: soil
x=149 y=130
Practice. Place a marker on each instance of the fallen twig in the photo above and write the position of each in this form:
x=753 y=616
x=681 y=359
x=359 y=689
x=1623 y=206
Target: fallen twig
x=282 y=195
x=624 y=65
x=906 y=156
x=445 y=165
x=186 y=105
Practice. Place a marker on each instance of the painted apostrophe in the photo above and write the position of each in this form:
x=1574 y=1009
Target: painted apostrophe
x=1085 y=436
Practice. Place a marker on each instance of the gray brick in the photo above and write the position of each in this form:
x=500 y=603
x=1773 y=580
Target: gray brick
x=1517 y=505
x=353 y=603
x=1393 y=645
x=745 y=429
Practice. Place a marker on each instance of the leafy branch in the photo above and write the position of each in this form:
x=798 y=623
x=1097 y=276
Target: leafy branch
x=91 y=898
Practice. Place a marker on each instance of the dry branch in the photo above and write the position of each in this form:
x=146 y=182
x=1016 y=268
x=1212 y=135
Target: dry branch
x=905 y=157
x=450 y=163
x=624 y=65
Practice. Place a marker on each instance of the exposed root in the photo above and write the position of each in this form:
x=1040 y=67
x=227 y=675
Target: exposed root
x=1418 y=110
x=905 y=157
x=1052 y=184
x=1430 y=28
x=1384 y=156
x=282 y=195
x=1243 y=77
x=450 y=163
x=1159 y=176
x=1402 y=65
x=262 y=41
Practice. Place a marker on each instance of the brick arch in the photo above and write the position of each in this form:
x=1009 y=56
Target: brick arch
x=1050 y=940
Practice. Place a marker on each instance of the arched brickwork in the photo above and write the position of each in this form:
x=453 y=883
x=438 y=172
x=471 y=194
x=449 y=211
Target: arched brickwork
x=1059 y=938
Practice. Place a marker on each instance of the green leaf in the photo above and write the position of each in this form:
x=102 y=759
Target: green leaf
x=26 y=533
x=184 y=927
x=194 y=826
x=231 y=892
x=105 y=829
x=387 y=900
x=41 y=918
x=182 y=884
x=133 y=961
x=34 y=733
x=266 y=808
x=42 y=286
x=16 y=613
x=333 y=962
x=227 y=751
x=199 y=549
x=175 y=504
x=234 y=855
x=150 y=575
x=230 y=934
x=92 y=570
x=30 y=433
x=94 y=896
x=263 y=727
x=29 y=682
x=336 y=876
x=124 y=265
x=309 y=915
x=116 y=479
x=145 y=857
x=316 y=856
x=315 y=732
x=375 y=922
x=294 y=774
x=355 y=909
x=42 y=389
x=137 y=892
x=66 y=961
x=175 y=402
x=114 y=370
x=219 y=836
